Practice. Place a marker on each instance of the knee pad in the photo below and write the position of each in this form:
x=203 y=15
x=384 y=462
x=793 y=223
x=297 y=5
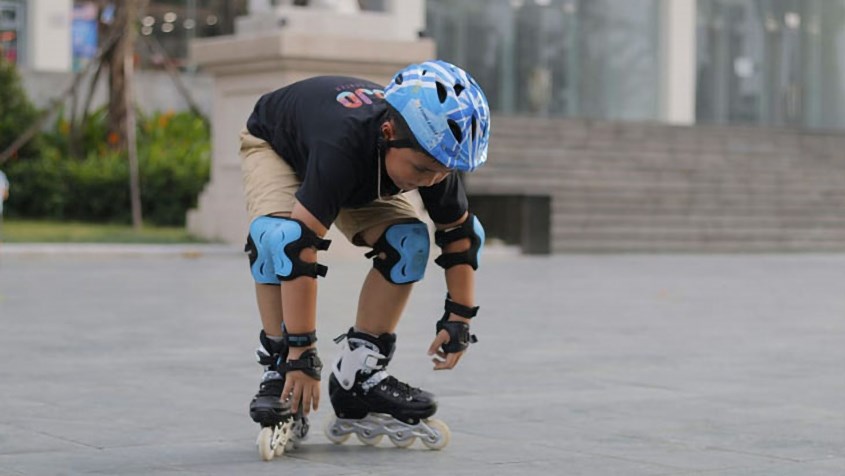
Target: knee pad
x=273 y=246
x=406 y=247
x=472 y=229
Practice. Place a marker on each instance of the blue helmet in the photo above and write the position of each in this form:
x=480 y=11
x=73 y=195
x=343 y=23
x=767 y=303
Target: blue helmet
x=445 y=109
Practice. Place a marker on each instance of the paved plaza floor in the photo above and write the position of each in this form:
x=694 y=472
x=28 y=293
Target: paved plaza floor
x=139 y=361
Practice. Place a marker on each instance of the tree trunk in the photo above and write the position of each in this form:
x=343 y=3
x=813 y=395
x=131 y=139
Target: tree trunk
x=117 y=76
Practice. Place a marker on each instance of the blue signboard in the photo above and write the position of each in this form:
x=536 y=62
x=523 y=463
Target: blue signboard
x=84 y=31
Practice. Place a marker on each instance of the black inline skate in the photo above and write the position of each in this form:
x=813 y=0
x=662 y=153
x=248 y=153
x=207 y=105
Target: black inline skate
x=280 y=430
x=371 y=403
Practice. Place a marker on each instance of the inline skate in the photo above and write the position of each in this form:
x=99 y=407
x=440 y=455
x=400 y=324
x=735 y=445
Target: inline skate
x=371 y=403
x=280 y=429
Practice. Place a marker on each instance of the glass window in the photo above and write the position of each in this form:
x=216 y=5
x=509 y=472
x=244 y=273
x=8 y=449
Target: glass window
x=823 y=62
x=619 y=58
x=594 y=58
x=174 y=23
x=11 y=30
x=773 y=62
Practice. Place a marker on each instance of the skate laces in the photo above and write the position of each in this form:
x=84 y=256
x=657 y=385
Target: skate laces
x=398 y=388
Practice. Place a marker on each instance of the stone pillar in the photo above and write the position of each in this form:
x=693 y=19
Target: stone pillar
x=246 y=66
x=49 y=37
x=678 y=60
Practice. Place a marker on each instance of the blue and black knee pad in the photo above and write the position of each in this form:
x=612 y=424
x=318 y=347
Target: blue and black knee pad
x=273 y=246
x=471 y=228
x=405 y=247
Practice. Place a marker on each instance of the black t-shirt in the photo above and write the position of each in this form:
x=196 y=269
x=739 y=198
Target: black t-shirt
x=327 y=129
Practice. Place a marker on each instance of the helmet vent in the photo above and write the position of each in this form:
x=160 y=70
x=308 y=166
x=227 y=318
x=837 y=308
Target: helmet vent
x=474 y=128
x=456 y=130
x=441 y=92
x=399 y=79
x=459 y=89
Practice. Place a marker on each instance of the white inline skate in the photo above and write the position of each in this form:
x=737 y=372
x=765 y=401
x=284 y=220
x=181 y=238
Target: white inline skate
x=370 y=403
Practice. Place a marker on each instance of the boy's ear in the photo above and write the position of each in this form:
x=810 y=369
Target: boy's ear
x=387 y=130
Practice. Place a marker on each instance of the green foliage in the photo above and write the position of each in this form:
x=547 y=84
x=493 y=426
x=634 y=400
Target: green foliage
x=92 y=137
x=17 y=113
x=39 y=186
x=174 y=161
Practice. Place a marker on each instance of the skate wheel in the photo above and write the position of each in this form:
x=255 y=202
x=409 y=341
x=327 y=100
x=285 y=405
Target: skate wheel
x=371 y=440
x=265 y=443
x=281 y=448
x=442 y=437
x=403 y=440
x=333 y=433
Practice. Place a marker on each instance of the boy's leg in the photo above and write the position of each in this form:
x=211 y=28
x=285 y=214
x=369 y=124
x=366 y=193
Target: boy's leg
x=359 y=384
x=269 y=185
x=381 y=302
x=270 y=309
x=361 y=390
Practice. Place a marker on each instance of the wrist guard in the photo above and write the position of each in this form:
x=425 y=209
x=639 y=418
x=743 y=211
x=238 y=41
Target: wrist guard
x=300 y=340
x=459 y=309
x=459 y=335
x=309 y=363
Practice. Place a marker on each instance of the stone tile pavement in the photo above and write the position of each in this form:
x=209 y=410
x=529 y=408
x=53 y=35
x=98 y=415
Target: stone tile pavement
x=139 y=361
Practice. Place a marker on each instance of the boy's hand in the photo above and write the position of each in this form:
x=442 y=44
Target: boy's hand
x=300 y=389
x=442 y=360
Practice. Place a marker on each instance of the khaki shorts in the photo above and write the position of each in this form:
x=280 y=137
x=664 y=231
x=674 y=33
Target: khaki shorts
x=270 y=185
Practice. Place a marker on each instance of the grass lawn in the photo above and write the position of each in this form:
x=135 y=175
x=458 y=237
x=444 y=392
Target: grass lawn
x=30 y=231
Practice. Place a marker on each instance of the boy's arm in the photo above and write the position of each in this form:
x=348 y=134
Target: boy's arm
x=299 y=296
x=299 y=307
x=460 y=279
x=460 y=282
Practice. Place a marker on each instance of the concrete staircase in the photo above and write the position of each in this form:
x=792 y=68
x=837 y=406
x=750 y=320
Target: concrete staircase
x=657 y=188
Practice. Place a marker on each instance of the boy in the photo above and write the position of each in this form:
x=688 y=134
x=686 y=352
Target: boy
x=340 y=150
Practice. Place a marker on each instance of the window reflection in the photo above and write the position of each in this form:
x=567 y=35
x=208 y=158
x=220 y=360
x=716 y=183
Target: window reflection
x=773 y=62
x=11 y=29
x=593 y=58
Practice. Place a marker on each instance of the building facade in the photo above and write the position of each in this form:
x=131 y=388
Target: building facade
x=60 y=35
x=35 y=34
x=769 y=62
x=764 y=62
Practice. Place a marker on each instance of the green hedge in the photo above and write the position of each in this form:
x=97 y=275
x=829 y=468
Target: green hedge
x=174 y=163
x=174 y=155
x=16 y=111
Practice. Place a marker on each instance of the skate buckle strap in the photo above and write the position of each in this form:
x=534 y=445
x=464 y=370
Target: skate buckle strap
x=351 y=361
x=309 y=363
x=374 y=380
x=263 y=357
